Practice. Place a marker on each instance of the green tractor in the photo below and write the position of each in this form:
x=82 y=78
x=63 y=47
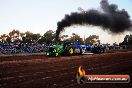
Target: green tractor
x=63 y=49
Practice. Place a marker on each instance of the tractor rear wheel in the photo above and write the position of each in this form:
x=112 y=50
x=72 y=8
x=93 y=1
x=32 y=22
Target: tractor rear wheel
x=80 y=51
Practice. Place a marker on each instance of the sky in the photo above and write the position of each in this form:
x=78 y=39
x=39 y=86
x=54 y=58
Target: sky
x=39 y=16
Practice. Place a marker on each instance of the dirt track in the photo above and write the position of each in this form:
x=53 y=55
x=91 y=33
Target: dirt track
x=49 y=72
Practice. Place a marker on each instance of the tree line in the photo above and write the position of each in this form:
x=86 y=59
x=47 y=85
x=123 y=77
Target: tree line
x=27 y=37
x=48 y=37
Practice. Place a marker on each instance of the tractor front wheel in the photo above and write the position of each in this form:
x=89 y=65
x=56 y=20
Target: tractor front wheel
x=70 y=51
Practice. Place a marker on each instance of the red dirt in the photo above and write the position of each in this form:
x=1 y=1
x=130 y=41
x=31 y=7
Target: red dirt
x=50 y=72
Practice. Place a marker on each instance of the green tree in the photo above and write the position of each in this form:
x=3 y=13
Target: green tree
x=92 y=39
x=130 y=41
x=76 y=37
x=28 y=37
x=64 y=37
x=14 y=35
x=49 y=36
x=8 y=39
x=127 y=41
x=35 y=37
x=3 y=37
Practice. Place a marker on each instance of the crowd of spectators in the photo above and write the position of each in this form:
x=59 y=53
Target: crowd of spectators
x=15 y=48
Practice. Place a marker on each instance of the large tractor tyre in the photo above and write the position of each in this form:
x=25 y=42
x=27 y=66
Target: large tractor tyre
x=80 y=52
x=70 y=51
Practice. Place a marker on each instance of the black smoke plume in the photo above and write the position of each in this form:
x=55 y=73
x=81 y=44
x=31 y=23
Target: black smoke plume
x=110 y=18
